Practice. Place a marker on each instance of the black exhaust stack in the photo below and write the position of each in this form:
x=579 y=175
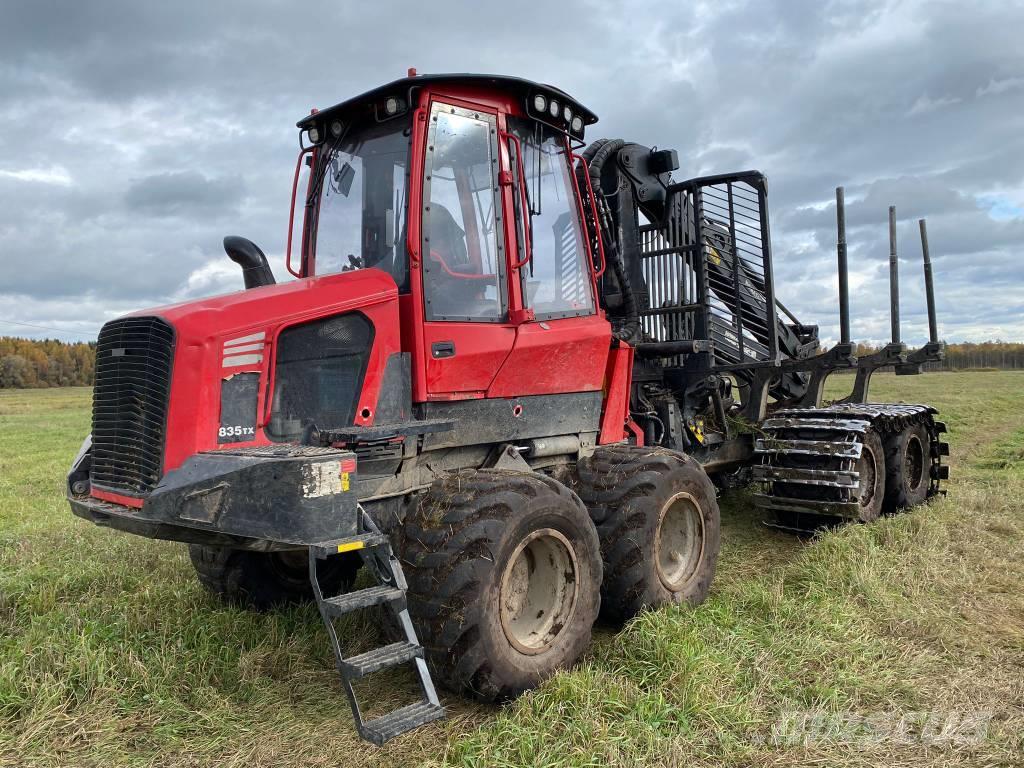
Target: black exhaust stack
x=255 y=269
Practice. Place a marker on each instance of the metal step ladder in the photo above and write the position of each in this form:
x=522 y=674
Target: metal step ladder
x=375 y=550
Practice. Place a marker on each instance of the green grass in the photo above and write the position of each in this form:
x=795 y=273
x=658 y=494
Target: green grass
x=111 y=654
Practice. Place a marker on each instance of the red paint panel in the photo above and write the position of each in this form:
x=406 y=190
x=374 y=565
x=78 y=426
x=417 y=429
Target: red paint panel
x=451 y=397
x=555 y=356
x=387 y=339
x=202 y=327
x=240 y=311
x=116 y=498
x=480 y=347
x=411 y=304
x=637 y=434
x=616 y=396
x=480 y=350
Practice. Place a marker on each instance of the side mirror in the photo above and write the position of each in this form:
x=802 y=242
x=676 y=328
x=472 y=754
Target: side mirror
x=343 y=177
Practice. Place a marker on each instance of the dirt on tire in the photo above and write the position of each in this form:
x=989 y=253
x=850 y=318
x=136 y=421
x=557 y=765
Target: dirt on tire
x=908 y=462
x=872 y=468
x=628 y=490
x=460 y=539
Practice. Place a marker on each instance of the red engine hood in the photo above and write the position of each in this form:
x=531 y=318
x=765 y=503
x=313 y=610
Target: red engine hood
x=208 y=330
x=257 y=308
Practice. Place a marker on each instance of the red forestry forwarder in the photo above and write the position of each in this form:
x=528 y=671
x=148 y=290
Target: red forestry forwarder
x=495 y=385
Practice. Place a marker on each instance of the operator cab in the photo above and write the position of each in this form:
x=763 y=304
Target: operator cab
x=461 y=188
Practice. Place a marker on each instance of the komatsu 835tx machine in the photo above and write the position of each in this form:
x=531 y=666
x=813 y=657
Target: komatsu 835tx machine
x=503 y=379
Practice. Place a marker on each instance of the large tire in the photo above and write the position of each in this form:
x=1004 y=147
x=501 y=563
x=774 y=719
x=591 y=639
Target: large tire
x=504 y=573
x=263 y=580
x=872 y=469
x=907 y=462
x=658 y=521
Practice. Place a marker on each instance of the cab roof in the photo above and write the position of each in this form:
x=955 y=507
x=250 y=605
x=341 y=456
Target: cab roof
x=404 y=86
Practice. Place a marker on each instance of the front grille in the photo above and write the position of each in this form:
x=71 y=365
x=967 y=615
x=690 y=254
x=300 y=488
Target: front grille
x=129 y=404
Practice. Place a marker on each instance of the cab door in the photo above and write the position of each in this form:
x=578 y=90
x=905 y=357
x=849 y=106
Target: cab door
x=564 y=343
x=467 y=334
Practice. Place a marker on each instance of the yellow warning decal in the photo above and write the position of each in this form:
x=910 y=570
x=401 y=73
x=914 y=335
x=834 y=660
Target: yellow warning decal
x=350 y=546
x=715 y=255
x=345 y=481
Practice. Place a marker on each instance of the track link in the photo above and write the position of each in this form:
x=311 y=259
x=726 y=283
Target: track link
x=808 y=456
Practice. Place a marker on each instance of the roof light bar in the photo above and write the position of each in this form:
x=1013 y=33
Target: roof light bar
x=550 y=110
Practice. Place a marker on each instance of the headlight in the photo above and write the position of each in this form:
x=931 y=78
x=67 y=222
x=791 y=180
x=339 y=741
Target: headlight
x=553 y=108
x=540 y=103
x=567 y=114
x=336 y=128
x=577 y=124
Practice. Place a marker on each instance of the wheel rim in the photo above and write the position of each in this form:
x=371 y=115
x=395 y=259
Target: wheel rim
x=913 y=462
x=538 y=591
x=867 y=472
x=679 y=544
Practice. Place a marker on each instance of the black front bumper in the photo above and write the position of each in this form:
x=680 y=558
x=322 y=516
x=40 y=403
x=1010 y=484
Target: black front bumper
x=255 y=498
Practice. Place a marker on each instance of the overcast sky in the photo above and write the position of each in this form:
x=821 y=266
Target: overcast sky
x=135 y=135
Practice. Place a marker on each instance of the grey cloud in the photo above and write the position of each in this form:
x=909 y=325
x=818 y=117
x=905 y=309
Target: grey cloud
x=175 y=125
x=183 y=193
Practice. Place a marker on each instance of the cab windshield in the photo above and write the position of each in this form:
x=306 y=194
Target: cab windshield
x=357 y=200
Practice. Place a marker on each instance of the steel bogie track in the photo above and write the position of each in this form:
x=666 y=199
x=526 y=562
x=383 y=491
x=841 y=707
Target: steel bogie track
x=808 y=456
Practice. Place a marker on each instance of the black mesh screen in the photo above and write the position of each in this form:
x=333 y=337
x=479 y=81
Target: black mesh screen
x=129 y=404
x=319 y=374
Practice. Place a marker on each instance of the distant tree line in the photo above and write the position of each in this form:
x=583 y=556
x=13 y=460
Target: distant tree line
x=34 y=363
x=31 y=363
x=965 y=356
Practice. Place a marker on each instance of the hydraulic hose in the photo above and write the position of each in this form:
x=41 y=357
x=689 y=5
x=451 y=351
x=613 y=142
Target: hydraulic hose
x=618 y=250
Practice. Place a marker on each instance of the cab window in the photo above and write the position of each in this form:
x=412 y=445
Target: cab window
x=463 y=262
x=360 y=199
x=556 y=281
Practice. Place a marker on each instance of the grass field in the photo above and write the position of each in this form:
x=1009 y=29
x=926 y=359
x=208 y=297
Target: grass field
x=111 y=653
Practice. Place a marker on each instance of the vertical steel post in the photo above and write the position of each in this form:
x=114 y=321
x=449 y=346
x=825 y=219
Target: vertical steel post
x=702 y=318
x=844 y=282
x=929 y=288
x=737 y=296
x=771 y=319
x=894 y=278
